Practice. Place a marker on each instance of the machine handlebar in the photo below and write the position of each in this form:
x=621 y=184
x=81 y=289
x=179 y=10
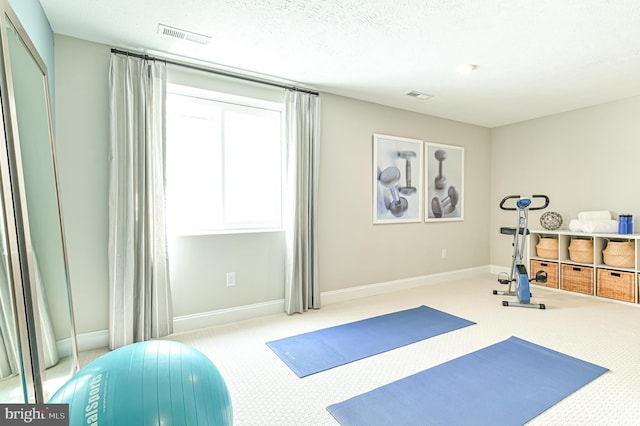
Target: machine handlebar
x=518 y=197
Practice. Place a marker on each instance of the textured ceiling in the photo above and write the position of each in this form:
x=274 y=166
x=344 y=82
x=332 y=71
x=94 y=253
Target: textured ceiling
x=534 y=57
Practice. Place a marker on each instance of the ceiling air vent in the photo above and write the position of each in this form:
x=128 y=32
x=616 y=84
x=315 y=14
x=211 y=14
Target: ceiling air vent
x=419 y=95
x=183 y=35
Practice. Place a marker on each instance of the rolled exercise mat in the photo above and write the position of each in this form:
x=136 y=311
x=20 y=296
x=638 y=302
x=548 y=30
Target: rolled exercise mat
x=157 y=382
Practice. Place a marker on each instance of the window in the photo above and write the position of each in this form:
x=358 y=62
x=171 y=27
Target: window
x=224 y=162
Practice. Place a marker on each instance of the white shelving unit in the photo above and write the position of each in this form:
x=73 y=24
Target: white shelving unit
x=595 y=278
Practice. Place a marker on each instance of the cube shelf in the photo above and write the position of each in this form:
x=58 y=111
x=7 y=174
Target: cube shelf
x=577 y=262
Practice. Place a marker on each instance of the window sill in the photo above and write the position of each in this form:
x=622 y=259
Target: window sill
x=225 y=232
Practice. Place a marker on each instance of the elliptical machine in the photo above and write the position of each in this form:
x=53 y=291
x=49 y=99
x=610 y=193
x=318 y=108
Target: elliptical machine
x=518 y=269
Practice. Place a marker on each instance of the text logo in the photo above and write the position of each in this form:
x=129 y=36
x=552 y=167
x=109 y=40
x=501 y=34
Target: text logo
x=34 y=414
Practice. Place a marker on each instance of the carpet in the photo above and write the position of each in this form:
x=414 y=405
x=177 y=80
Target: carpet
x=320 y=350
x=507 y=383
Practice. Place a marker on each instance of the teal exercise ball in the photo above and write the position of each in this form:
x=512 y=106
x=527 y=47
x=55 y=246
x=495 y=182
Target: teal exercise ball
x=158 y=382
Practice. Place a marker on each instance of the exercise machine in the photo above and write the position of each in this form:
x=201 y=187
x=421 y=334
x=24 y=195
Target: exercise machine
x=518 y=275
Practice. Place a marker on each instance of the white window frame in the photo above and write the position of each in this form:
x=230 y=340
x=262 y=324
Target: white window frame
x=229 y=102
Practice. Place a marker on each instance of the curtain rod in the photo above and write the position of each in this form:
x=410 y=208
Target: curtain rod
x=213 y=71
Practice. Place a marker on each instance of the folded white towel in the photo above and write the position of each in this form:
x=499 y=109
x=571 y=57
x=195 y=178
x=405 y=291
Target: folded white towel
x=594 y=215
x=604 y=226
x=575 y=225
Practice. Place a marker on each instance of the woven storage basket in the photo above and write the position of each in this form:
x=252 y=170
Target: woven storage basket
x=619 y=254
x=616 y=285
x=577 y=278
x=551 y=268
x=581 y=250
x=547 y=248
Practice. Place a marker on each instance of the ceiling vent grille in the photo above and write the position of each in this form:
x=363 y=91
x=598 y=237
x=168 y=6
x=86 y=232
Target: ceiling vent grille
x=419 y=95
x=183 y=35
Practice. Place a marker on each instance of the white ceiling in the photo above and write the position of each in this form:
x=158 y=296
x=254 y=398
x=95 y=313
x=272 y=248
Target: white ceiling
x=533 y=57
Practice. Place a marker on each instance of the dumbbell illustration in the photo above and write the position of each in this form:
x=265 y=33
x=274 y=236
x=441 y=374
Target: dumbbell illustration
x=438 y=206
x=388 y=178
x=407 y=156
x=441 y=180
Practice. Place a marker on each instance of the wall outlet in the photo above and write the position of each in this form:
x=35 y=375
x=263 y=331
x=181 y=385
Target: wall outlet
x=231 y=279
x=444 y=253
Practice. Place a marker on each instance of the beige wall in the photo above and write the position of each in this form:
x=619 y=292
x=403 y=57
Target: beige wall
x=583 y=160
x=199 y=265
x=81 y=137
x=352 y=250
x=355 y=252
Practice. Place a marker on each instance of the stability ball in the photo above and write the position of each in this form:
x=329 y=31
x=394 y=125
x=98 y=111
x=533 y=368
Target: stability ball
x=157 y=382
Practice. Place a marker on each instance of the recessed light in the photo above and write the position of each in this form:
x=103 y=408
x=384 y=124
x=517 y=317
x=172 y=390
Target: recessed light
x=419 y=95
x=466 y=69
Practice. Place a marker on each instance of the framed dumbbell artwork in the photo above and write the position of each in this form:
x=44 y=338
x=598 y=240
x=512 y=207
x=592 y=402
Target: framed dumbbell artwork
x=444 y=182
x=397 y=179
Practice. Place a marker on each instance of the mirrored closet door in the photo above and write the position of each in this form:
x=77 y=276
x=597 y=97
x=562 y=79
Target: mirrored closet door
x=37 y=310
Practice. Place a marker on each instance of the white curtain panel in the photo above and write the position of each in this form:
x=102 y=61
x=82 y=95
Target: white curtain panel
x=49 y=346
x=140 y=295
x=302 y=291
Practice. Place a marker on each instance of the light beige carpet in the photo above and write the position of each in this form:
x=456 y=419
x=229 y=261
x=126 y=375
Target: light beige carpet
x=265 y=392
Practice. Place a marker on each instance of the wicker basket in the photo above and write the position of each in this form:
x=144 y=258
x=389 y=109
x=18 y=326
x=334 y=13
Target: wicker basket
x=551 y=268
x=616 y=285
x=581 y=250
x=547 y=248
x=619 y=254
x=577 y=278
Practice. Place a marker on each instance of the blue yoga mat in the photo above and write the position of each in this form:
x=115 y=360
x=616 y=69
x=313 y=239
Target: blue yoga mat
x=508 y=383
x=321 y=350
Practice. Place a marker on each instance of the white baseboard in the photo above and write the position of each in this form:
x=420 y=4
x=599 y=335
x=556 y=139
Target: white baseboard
x=351 y=293
x=497 y=269
x=100 y=339
x=64 y=347
x=184 y=323
x=223 y=316
x=89 y=341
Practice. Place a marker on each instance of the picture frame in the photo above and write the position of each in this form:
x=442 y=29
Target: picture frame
x=397 y=179
x=444 y=182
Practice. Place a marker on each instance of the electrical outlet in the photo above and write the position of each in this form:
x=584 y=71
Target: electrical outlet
x=231 y=279
x=444 y=253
